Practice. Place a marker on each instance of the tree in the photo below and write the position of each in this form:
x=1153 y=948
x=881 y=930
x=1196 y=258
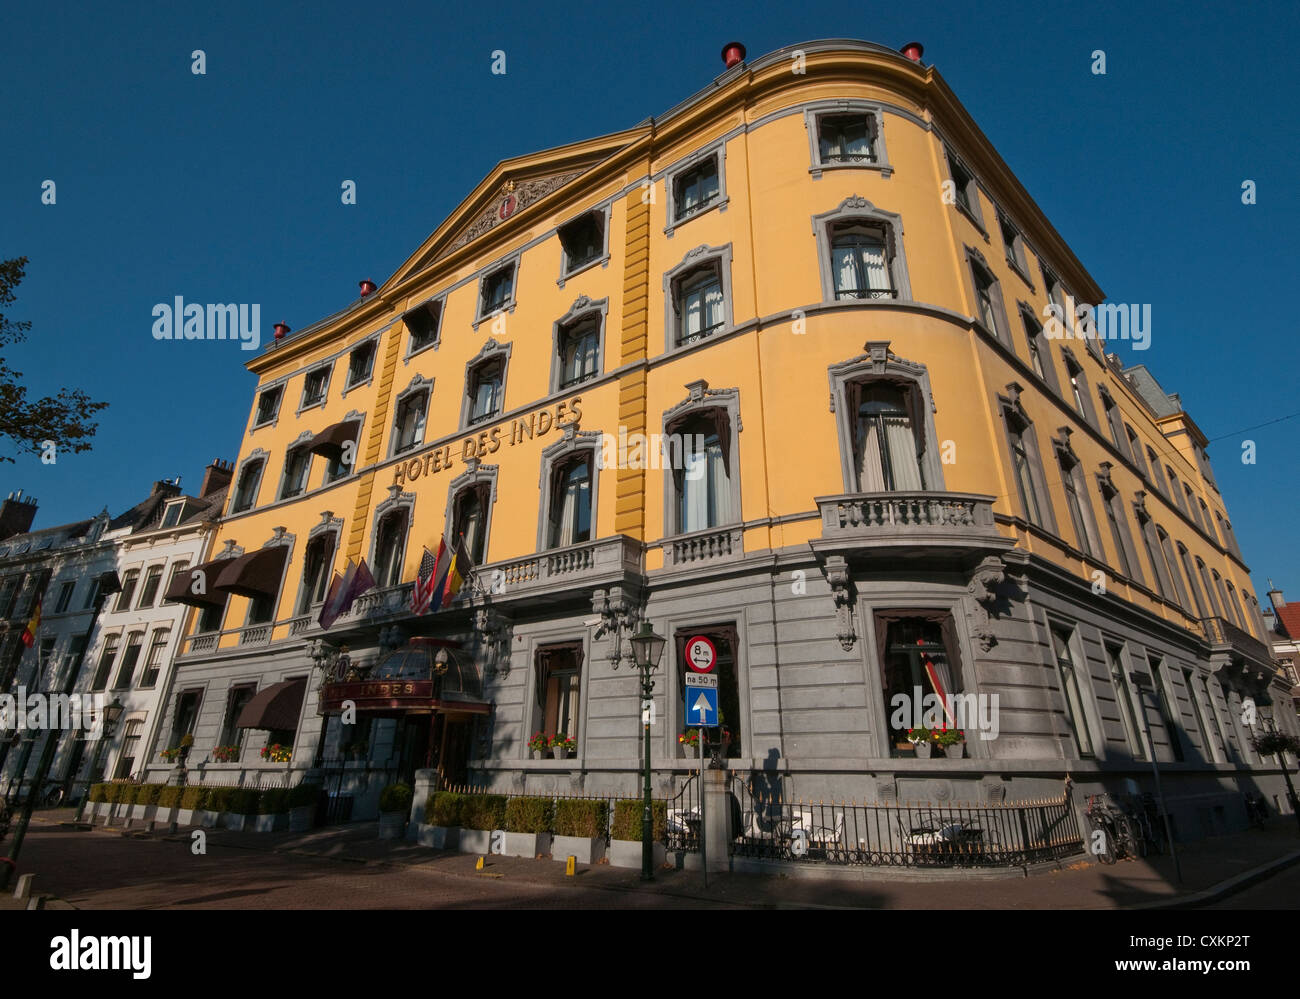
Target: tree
x=63 y=420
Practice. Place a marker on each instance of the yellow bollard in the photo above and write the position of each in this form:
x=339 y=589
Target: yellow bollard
x=570 y=866
x=479 y=865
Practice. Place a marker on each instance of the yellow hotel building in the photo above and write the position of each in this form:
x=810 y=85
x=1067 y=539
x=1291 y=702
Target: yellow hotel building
x=817 y=278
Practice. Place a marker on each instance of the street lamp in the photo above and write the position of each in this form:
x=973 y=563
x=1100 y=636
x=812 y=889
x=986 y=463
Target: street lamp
x=647 y=649
x=112 y=715
x=1141 y=680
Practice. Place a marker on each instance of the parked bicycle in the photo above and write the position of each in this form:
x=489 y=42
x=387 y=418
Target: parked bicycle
x=1151 y=823
x=1256 y=809
x=1113 y=833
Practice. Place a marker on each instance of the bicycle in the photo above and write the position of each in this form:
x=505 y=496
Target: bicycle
x=1256 y=809
x=1152 y=822
x=1120 y=833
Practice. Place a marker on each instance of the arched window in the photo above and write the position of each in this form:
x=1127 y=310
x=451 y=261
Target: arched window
x=470 y=512
x=316 y=572
x=570 y=506
x=390 y=548
x=702 y=476
x=886 y=446
x=859 y=265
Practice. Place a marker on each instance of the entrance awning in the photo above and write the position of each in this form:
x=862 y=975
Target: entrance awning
x=275 y=707
x=181 y=589
x=329 y=442
x=256 y=574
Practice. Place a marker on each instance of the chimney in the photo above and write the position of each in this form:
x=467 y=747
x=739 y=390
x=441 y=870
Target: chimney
x=166 y=487
x=16 y=515
x=733 y=53
x=1275 y=597
x=216 y=476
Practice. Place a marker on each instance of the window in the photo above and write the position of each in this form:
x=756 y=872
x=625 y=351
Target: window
x=173 y=515
x=423 y=322
x=390 y=547
x=497 y=291
x=185 y=715
x=1113 y=422
x=1213 y=713
x=130 y=749
x=1014 y=244
x=1194 y=693
x=178 y=570
x=988 y=298
x=1190 y=505
x=1206 y=525
x=725 y=641
x=1224 y=606
x=313 y=388
x=699 y=303
x=578 y=345
x=237 y=699
x=76 y=652
x=1185 y=560
x=296 y=465
x=409 y=428
x=1119 y=532
x=887 y=443
x=9 y=595
x=1159 y=571
x=1171 y=567
x=1229 y=539
x=965 y=190
x=1157 y=476
x=570 y=502
x=268 y=405
x=1078 y=386
x=1076 y=500
x=126 y=669
x=1135 y=448
x=250 y=477
x=1025 y=463
x=558 y=679
x=92 y=594
x=128 y=590
x=582 y=242
x=916 y=655
x=702 y=478
x=1175 y=489
x=317 y=564
x=153 y=661
x=1165 y=702
x=361 y=363
x=1124 y=702
x=1069 y=677
x=486 y=390
x=859 y=264
x=695 y=188
x=261 y=609
x=65 y=596
x=1040 y=356
x=210 y=619
x=845 y=139
x=1234 y=605
x=149 y=592
x=470 y=519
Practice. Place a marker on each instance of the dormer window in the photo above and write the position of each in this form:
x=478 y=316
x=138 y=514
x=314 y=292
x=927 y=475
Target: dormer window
x=172 y=515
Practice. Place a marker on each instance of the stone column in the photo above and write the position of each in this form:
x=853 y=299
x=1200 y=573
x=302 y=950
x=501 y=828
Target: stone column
x=716 y=800
x=426 y=782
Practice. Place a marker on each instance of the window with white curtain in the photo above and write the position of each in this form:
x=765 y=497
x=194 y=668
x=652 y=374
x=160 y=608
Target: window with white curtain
x=701 y=307
x=885 y=443
x=571 y=502
x=704 y=493
x=859 y=262
x=485 y=391
x=410 y=421
x=696 y=187
x=580 y=351
x=845 y=139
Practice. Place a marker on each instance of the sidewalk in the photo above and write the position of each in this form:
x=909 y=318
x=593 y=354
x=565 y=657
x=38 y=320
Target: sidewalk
x=1211 y=868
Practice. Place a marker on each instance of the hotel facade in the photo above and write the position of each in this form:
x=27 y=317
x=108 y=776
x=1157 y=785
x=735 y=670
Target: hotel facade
x=886 y=476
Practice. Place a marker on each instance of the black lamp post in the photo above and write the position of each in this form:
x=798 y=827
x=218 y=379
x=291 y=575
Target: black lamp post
x=112 y=715
x=647 y=648
x=107 y=583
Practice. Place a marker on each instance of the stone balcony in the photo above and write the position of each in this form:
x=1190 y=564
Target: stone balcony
x=701 y=548
x=1224 y=636
x=550 y=575
x=909 y=525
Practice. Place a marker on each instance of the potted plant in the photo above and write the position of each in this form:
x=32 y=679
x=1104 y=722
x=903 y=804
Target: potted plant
x=539 y=743
x=441 y=828
x=952 y=741
x=921 y=739
x=580 y=827
x=562 y=745
x=277 y=753
x=394 y=808
x=481 y=815
x=625 y=837
x=225 y=754
x=689 y=740
x=528 y=826
x=1275 y=743
x=170 y=755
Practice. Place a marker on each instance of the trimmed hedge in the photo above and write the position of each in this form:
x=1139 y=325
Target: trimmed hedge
x=444 y=809
x=483 y=811
x=273 y=801
x=396 y=798
x=96 y=793
x=303 y=795
x=585 y=819
x=627 y=820
x=147 y=794
x=194 y=798
x=243 y=801
x=529 y=815
x=235 y=800
x=169 y=797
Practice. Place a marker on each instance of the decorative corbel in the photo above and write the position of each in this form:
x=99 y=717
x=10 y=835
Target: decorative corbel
x=493 y=629
x=841 y=583
x=619 y=614
x=982 y=588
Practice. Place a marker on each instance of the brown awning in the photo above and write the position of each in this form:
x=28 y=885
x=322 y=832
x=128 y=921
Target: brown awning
x=181 y=589
x=329 y=442
x=256 y=574
x=275 y=707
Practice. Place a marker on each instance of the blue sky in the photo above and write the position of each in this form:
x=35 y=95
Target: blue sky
x=225 y=187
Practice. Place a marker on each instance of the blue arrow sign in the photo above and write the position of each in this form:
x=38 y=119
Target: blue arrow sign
x=702 y=706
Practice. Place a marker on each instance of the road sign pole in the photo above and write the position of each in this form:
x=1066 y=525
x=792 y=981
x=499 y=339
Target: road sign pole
x=704 y=857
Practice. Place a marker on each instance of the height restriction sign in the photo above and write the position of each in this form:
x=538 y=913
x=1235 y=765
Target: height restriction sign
x=701 y=655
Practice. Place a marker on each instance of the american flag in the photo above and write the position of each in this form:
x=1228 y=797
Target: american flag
x=422 y=590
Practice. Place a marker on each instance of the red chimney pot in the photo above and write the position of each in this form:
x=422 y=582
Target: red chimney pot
x=913 y=51
x=732 y=53
x=367 y=287
x=282 y=330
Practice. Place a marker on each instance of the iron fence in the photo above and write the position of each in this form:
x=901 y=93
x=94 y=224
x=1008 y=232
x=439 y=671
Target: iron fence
x=912 y=834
